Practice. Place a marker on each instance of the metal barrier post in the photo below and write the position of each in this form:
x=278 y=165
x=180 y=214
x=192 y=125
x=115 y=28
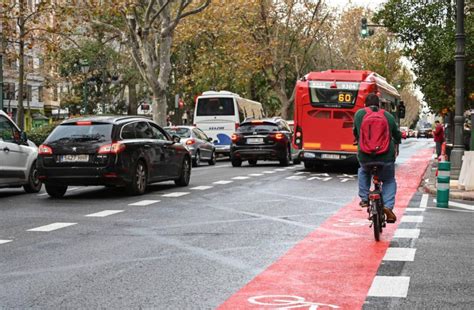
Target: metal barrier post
x=443 y=180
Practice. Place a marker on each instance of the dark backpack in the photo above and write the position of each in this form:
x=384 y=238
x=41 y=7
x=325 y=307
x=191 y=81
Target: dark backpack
x=374 y=135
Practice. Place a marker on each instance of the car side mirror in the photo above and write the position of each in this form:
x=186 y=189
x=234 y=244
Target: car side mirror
x=23 y=137
x=176 y=138
x=209 y=139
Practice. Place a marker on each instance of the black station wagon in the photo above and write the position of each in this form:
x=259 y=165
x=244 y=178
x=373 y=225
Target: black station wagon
x=112 y=151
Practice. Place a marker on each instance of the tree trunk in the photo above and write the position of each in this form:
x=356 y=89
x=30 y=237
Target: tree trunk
x=21 y=70
x=159 y=107
x=132 y=99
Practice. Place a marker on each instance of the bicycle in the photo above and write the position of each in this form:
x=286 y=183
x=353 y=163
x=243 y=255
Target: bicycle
x=375 y=209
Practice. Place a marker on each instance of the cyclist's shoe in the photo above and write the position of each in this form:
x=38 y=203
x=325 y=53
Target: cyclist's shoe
x=363 y=204
x=389 y=215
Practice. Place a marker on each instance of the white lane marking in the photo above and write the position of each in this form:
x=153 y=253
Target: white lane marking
x=175 y=194
x=5 y=241
x=269 y=172
x=144 y=203
x=320 y=174
x=279 y=169
x=407 y=233
x=240 y=178
x=201 y=188
x=104 y=213
x=291 y=167
x=43 y=194
x=412 y=219
x=52 y=227
x=345 y=180
x=222 y=182
x=459 y=205
x=415 y=209
x=384 y=286
x=319 y=178
x=296 y=177
x=298 y=173
x=255 y=174
x=400 y=254
x=424 y=201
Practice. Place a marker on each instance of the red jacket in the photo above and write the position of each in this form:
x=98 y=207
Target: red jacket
x=439 y=133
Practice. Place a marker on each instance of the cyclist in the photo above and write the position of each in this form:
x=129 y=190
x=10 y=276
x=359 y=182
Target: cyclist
x=382 y=156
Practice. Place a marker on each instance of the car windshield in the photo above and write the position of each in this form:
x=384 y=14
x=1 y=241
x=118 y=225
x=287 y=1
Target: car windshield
x=179 y=131
x=81 y=133
x=259 y=127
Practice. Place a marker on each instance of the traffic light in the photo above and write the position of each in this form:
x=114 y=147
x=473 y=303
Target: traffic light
x=364 y=29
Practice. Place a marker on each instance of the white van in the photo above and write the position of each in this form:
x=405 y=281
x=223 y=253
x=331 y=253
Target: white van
x=219 y=114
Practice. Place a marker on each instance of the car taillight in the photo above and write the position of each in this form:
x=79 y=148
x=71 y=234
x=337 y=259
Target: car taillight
x=237 y=125
x=112 y=148
x=235 y=137
x=190 y=142
x=45 y=150
x=279 y=136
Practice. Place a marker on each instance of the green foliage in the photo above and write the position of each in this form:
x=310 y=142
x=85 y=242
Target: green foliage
x=427 y=30
x=38 y=135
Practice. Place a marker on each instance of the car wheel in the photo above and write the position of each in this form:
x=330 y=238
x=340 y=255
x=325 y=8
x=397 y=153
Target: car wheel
x=212 y=161
x=197 y=159
x=139 y=179
x=185 y=174
x=287 y=159
x=56 y=191
x=34 y=184
x=236 y=162
x=252 y=162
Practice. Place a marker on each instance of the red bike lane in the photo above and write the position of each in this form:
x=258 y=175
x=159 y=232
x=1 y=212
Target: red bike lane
x=334 y=266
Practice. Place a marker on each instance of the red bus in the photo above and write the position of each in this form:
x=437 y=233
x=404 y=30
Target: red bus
x=325 y=104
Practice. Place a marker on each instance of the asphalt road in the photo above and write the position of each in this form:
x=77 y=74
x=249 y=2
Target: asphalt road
x=172 y=248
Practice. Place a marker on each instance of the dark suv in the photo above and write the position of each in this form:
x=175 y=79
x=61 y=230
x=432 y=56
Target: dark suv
x=267 y=139
x=111 y=151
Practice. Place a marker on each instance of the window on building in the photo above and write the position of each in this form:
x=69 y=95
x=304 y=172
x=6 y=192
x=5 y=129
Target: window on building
x=9 y=91
x=40 y=94
x=27 y=92
x=55 y=94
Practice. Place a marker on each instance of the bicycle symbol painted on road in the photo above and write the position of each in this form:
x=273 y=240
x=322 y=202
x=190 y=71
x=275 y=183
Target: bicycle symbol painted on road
x=351 y=223
x=288 y=302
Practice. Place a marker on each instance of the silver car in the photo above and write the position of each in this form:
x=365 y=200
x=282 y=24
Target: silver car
x=17 y=157
x=197 y=142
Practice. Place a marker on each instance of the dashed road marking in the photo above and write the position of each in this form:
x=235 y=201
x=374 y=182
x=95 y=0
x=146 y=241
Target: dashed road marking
x=295 y=177
x=5 y=241
x=298 y=173
x=51 y=227
x=268 y=172
x=415 y=209
x=222 y=182
x=424 y=201
x=407 y=233
x=291 y=167
x=320 y=178
x=412 y=219
x=384 y=286
x=201 y=188
x=104 y=213
x=255 y=174
x=400 y=254
x=144 y=203
x=279 y=169
x=175 y=194
x=240 y=178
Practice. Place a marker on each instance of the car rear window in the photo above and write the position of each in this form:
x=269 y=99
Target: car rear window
x=81 y=133
x=258 y=127
x=180 y=132
x=215 y=107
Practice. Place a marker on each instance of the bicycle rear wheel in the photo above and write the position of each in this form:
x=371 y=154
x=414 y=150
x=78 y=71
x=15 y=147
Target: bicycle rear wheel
x=376 y=223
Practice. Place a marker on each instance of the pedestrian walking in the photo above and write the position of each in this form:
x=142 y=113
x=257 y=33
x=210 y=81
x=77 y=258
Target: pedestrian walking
x=438 y=135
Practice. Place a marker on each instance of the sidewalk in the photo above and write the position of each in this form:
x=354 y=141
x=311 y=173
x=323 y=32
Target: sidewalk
x=429 y=185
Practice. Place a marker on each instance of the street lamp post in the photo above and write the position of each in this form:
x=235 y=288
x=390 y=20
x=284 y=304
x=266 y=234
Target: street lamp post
x=460 y=58
x=85 y=70
x=1 y=68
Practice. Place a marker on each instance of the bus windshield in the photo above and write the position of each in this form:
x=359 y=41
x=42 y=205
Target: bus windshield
x=328 y=94
x=215 y=107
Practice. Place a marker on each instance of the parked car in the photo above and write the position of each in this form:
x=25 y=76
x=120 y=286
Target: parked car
x=17 y=157
x=267 y=139
x=425 y=132
x=112 y=151
x=198 y=143
x=404 y=131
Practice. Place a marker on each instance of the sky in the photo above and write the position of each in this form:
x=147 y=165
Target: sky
x=371 y=4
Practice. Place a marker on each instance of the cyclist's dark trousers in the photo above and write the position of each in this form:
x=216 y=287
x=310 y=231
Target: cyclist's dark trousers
x=387 y=176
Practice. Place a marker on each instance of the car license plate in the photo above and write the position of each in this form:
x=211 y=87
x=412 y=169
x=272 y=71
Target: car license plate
x=74 y=158
x=330 y=156
x=254 y=140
